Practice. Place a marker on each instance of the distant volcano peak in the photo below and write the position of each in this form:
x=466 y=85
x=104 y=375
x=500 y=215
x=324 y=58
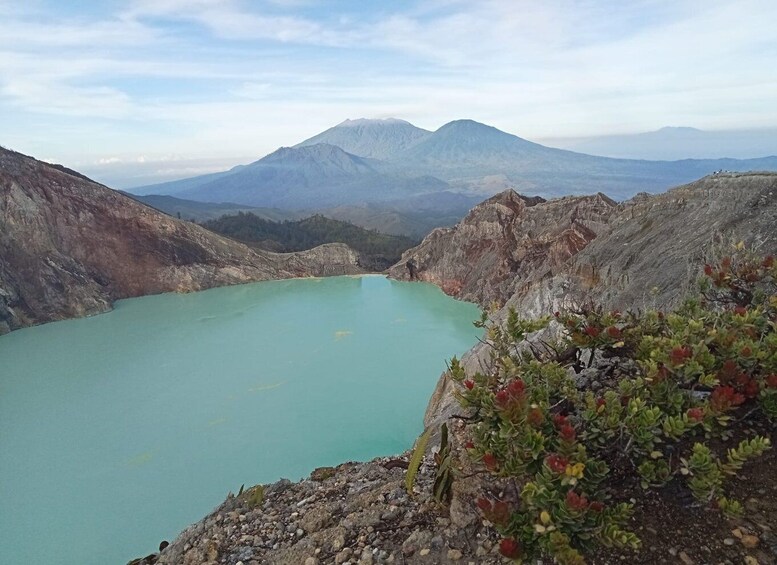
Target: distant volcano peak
x=371 y=121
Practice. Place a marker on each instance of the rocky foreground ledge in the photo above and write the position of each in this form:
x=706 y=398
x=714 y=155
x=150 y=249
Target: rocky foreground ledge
x=361 y=514
x=354 y=513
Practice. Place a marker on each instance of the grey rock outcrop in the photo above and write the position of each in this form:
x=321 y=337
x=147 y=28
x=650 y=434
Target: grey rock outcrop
x=646 y=252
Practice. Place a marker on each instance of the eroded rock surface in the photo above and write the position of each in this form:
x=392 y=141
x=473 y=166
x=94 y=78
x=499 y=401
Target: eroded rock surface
x=503 y=241
x=69 y=247
x=647 y=252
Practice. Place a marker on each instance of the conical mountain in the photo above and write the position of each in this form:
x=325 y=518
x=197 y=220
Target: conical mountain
x=378 y=139
x=471 y=141
x=465 y=151
x=312 y=176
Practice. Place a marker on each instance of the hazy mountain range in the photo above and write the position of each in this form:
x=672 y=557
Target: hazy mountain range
x=320 y=175
x=414 y=216
x=361 y=162
x=677 y=143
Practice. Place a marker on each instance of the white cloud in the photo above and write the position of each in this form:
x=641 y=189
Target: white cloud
x=54 y=97
x=240 y=77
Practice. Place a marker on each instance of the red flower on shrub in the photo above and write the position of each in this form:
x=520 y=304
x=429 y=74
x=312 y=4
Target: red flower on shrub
x=535 y=417
x=725 y=397
x=728 y=370
x=469 y=384
x=695 y=414
x=708 y=270
x=679 y=355
x=489 y=460
x=771 y=381
x=500 y=513
x=469 y=445
x=496 y=511
x=661 y=373
x=559 y=420
x=614 y=333
x=557 y=463
x=516 y=388
x=567 y=432
x=510 y=548
x=576 y=502
x=751 y=388
x=601 y=402
x=514 y=391
x=596 y=506
x=592 y=331
x=740 y=311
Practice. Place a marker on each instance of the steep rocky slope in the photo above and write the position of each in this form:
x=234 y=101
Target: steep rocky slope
x=70 y=247
x=502 y=241
x=645 y=252
x=642 y=251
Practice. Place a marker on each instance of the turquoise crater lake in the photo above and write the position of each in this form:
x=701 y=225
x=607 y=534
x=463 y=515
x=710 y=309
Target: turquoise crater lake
x=117 y=431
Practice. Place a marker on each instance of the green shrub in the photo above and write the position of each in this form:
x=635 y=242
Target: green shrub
x=688 y=381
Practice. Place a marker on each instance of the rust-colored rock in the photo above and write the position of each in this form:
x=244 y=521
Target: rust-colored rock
x=69 y=247
x=504 y=241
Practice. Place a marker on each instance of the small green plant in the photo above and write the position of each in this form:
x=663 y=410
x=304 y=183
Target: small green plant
x=444 y=476
x=255 y=496
x=415 y=459
x=696 y=374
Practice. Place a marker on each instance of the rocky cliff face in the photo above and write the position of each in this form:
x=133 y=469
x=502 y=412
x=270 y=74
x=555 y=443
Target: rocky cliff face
x=654 y=246
x=69 y=247
x=505 y=241
x=537 y=256
x=646 y=252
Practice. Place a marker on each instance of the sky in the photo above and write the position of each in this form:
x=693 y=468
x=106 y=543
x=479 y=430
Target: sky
x=182 y=87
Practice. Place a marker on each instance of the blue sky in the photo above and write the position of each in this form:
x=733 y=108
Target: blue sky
x=187 y=86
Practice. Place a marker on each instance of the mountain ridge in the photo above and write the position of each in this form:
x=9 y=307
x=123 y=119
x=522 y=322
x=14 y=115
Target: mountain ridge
x=399 y=159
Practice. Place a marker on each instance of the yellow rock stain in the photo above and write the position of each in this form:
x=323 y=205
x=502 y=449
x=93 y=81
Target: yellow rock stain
x=141 y=459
